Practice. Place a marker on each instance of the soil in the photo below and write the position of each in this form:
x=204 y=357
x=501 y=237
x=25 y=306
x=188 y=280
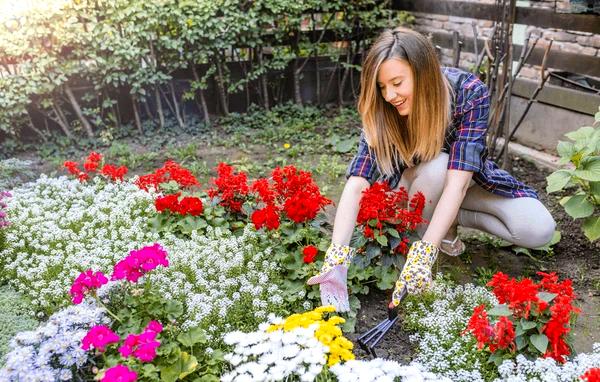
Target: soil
x=573 y=257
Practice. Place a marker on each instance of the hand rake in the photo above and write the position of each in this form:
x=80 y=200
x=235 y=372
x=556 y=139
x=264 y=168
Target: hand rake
x=370 y=339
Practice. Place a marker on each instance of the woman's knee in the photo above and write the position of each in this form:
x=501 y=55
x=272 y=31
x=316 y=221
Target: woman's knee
x=535 y=231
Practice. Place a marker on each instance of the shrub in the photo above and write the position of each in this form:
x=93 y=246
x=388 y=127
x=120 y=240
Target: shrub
x=583 y=153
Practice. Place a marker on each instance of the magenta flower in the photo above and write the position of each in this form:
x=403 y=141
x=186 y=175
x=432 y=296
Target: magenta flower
x=140 y=262
x=86 y=281
x=99 y=337
x=154 y=326
x=142 y=346
x=119 y=373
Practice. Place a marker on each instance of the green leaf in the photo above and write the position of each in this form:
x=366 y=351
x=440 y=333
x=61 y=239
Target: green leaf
x=192 y=337
x=546 y=296
x=548 y=247
x=591 y=228
x=558 y=180
x=345 y=146
x=578 y=206
x=582 y=134
x=185 y=365
x=495 y=358
x=500 y=310
x=540 y=341
x=393 y=233
x=565 y=149
x=521 y=342
x=381 y=239
x=590 y=169
x=526 y=325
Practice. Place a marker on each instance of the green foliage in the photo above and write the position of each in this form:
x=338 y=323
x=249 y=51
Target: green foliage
x=15 y=316
x=583 y=154
x=105 y=46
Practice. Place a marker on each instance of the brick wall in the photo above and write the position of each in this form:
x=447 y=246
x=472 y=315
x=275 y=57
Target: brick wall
x=566 y=41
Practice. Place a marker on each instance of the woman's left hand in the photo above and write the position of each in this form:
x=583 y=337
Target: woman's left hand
x=416 y=274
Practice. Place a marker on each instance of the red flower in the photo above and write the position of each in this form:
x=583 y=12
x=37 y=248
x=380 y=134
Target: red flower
x=190 y=205
x=519 y=295
x=170 y=171
x=115 y=173
x=92 y=162
x=266 y=217
x=480 y=326
x=504 y=335
x=72 y=167
x=264 y=190
x=310 y=252
x=231 y=188
x=592 y=375
x=167 y=202
x=94 y=157
x=83 y=177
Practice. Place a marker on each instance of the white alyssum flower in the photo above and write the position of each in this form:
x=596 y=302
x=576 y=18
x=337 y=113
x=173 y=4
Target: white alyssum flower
x=49 y=352
x=547 y=369
x=441 y=347
x=62 y=227
x=208 y=273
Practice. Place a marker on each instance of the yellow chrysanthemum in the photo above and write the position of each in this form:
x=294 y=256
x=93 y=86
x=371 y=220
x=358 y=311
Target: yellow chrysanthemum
x=327 y=332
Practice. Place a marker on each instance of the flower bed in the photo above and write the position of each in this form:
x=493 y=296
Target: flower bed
x=181 y=276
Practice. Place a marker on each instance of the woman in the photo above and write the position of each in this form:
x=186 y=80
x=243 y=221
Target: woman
x=424 y=129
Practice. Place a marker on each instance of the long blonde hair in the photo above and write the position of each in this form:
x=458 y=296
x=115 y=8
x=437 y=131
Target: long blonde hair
x=397 y=139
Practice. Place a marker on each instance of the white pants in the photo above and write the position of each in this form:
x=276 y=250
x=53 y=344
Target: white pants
x=522 y=221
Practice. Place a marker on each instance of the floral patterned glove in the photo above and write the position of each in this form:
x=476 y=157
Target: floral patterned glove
x=333 y=277
x=416 y=274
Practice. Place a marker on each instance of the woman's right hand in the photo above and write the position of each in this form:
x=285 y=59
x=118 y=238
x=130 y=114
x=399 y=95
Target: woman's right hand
x=332 y=278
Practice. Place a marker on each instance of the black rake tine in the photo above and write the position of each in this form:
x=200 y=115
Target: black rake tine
x=371 y=339
x=383 y=333
x=364 y=340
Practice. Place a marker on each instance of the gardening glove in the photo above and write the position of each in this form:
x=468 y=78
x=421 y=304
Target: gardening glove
x=333 y=277
x=416 y=274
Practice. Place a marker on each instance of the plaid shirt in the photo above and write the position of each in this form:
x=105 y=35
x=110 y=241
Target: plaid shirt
x=465 y=142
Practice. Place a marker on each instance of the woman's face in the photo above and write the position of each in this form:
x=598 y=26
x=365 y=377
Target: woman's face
x=395 y=81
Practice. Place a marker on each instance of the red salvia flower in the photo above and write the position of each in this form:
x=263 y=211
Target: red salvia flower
x=480 y=327
x=592 y=375
x=504 y=335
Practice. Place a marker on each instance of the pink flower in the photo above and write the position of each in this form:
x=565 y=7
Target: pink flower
x=140 y=262
x=119 y=373
x=86 y=281
x=142 y=346
x=154 y=326
x=99 y=337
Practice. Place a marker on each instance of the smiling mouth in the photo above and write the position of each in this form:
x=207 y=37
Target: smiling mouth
x=398 y=104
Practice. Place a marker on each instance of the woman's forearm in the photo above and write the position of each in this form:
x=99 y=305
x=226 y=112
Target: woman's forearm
x=347 y=210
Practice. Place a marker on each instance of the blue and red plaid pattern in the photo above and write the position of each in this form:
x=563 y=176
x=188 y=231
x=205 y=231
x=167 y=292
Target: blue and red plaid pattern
x=465 y=142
